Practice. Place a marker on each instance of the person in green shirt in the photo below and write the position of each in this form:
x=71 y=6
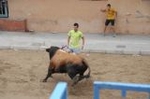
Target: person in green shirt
x=74 y=38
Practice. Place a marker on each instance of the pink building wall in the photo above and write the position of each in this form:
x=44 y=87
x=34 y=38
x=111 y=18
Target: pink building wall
x=59 y=15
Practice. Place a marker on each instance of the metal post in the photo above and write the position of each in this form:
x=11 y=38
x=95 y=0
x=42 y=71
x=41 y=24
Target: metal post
x=96 y=91
x=123 y=94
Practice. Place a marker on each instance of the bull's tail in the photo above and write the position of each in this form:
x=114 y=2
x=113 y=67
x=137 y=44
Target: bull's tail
x=89 y=69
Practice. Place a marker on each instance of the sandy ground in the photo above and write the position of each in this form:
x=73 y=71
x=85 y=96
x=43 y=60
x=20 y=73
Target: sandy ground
x=21 y=73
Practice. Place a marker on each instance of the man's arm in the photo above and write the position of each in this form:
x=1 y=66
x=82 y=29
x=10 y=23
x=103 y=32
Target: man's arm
x=115 y=14
x=68 y=40
x=83 y=42
x=103 y=10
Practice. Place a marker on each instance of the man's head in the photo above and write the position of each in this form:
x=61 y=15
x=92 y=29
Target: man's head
x=76 y=25
x=108 y=6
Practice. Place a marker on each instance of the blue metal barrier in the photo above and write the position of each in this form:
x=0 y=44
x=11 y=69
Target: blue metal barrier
x=120 y=86
x=60 y=91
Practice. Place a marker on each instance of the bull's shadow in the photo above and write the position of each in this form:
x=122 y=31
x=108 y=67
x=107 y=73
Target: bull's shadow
x=83 y=88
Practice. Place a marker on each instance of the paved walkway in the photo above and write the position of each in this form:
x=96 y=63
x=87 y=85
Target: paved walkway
x=123 y=44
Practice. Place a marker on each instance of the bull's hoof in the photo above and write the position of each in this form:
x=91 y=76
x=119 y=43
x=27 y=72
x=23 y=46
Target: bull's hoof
x=75 y=80
x=44 y=80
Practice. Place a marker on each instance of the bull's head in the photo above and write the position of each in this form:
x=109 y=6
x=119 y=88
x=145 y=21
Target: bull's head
x=52 y=50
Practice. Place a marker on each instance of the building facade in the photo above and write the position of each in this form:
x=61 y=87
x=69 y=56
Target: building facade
x=55 y=16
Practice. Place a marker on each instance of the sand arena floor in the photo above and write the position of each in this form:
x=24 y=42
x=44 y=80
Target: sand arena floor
x=21 y=74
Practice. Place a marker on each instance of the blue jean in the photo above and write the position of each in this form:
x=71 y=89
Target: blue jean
x=76 y=50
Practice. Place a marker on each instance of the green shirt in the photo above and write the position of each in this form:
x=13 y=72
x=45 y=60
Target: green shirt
x=75 y=38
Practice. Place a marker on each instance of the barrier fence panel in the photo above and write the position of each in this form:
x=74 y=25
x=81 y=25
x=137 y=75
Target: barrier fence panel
x=60 y=91
x=124 y=87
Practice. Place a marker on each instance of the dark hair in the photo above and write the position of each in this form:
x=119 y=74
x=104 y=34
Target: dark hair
x=76 y=24
x=109 y=5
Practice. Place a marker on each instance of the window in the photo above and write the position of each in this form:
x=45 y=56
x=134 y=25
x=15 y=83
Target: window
x=4 y=9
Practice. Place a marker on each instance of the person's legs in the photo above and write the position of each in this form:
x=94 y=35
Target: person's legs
x=105 y=29
x=76 y=50
x=113 y=27
x=106 y=24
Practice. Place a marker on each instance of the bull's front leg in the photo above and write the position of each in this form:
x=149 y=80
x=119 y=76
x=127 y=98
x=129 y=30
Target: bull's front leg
x=49 y=74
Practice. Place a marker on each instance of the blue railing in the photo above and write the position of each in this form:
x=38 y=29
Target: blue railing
x=60 y=91
x=124 y=87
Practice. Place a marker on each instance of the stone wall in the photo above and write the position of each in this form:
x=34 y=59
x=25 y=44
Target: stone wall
x=59 y=15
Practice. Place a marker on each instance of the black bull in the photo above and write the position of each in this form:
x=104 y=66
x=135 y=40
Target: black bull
x=64 y=62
